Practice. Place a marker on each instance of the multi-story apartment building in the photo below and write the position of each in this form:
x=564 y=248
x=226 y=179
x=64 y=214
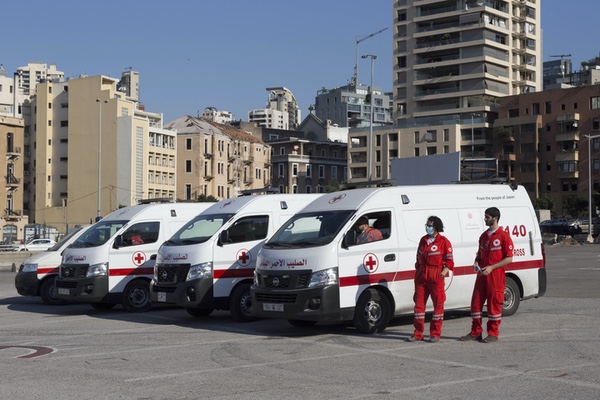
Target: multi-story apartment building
x=282 y=111
x=218 y=116
x=217 y=160
x=543 y=145
x=12 y=220
x=307 y=160
x=350 y=106
x=93 y=149
x=453 y=61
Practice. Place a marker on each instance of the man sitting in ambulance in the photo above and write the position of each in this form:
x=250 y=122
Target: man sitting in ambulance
x=365 y=232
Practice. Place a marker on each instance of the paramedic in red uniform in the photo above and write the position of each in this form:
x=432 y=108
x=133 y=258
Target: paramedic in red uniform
x=367 y=234
x=495 y=252
x=434 y=260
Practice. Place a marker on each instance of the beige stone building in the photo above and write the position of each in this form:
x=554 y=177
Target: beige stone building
x=217 y=160
x=94 y=149
x=11 y=147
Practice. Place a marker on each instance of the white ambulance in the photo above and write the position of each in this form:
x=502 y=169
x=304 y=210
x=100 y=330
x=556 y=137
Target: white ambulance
x=107 y=264
x=209 y=263
x=311 y=270
x=36 y=274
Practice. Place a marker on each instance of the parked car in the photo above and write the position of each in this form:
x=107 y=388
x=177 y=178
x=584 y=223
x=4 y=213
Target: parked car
x=561 y=226
x=37 y=245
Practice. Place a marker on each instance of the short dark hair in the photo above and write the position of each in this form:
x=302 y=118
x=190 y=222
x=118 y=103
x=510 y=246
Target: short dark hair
x=438 y=225
x=362 y=221
x=493 y=212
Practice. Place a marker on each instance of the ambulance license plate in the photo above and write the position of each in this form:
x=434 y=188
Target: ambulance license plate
x=272 y=307
x=63 y=291
x=162 y=297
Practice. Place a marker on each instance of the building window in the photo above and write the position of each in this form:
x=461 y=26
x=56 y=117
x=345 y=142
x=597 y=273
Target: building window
x=417 y=152
x=417 y=137
x=446 y=135
x=596 y=144
x=549 y=186
x=431 y=150
x=188 y=191
x=548 y=166
x=258 y=173
x=294 y=169
x=446 y=149
x=378 y=155
x=378 y=140
x=335 y=154
x=282 y=151
x=334 y=172
x=548 y=107
x=596 y=164
x=308 y=171
x=323 y=153
x=188 y=166
x=308 y=189
x=378 y=171
x=281 y=189
x=188 y=143
x=548 y=147
x=596 y=123
x=294 y=188
x=321 y=171
x=281 y=170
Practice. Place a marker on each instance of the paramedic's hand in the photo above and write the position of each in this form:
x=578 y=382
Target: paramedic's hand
x=444 y=272
x=476 y=267
x=416 y=265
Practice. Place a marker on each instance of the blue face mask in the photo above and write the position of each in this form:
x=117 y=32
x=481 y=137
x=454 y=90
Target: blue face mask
x=429 y=230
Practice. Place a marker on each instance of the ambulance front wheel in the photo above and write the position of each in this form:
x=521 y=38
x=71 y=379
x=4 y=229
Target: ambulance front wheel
x=136 y=296
x=372 y=312
x=512 y=298
x=240 y=303
x=47 y=291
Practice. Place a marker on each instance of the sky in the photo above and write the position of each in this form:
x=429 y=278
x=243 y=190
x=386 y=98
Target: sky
x=194 y=54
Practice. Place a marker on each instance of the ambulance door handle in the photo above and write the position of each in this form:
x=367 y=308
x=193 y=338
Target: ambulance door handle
x=389 y=257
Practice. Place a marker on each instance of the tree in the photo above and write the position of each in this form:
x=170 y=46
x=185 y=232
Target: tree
x=543 y=203
x=575 y=205
x=207 y=199
x=506 y=132
x=332 y=186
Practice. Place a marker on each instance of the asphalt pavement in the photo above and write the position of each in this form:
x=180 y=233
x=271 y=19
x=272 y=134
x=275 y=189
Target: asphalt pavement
x=550 y=349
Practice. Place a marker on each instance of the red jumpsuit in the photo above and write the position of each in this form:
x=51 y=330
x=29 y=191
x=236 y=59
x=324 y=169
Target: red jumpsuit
x=492 y=249
x=428 y=281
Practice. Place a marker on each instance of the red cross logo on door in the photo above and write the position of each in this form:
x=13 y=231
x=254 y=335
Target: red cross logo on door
x=138 y=258
x=244 y=257
x=370 y=263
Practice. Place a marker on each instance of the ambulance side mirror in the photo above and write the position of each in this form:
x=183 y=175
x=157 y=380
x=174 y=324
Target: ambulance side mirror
x=223 y=237
x=350 y=238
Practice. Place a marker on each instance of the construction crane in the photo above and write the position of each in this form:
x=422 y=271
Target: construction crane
x=358 y=41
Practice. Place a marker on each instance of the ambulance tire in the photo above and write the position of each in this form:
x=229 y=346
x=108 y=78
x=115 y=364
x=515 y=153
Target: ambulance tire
x=136 y=296
x=199 y=312
x=300 y=323
x=512 y=298
x=103 y=306
x=373 y=312
x=240 y=303
x=47 y=290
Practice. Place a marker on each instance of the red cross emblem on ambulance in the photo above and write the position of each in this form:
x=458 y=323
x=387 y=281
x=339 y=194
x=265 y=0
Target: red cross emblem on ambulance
x=244 y=257
x=138 y=258
x=337 y=198
x=370 y=263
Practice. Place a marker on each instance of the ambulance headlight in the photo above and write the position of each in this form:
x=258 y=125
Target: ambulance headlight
x=29 y=267
x=324 y=278
x=97 y=270
x=200 y=271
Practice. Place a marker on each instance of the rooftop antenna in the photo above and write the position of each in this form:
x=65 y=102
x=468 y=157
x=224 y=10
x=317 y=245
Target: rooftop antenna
x=360 y=39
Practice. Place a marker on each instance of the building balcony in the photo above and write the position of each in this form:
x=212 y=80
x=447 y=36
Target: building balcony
x=208 y=177
x=12 y=215
x=568 y=175
x=507 y=157
x=11 y=180
x=12 y=153
x=208 y=156
x=249 y=161
x=567 y=155
x=567 y=136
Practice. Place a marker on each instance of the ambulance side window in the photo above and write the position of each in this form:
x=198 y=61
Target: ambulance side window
x=249 y=228
x=379 y=227
x=142 y=233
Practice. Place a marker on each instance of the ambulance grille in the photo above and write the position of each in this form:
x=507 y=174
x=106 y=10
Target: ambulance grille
x=73 y=271
x=285 y=281
x=172 y=273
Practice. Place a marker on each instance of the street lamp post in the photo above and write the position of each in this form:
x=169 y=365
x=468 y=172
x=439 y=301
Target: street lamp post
x=473 y=115
x=590 y=238
x=99 y=214
x=370 y=148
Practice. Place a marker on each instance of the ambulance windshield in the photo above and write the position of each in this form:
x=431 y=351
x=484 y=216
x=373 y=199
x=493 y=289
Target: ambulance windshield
x=98 y=234
x=199 y=230
x=309 y=229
